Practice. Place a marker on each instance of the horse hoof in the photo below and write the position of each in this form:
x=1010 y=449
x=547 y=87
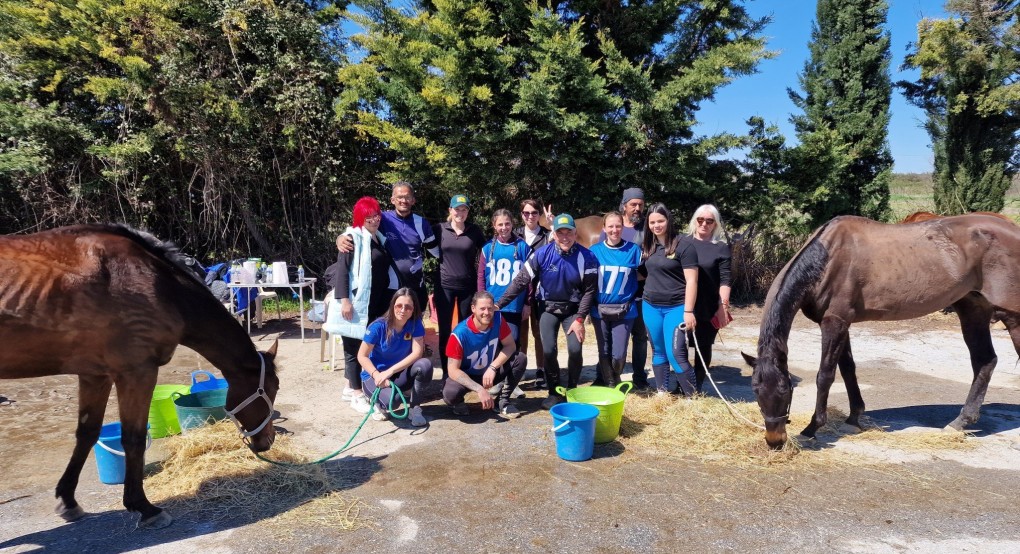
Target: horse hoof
x=158 y=521
x=70 y=514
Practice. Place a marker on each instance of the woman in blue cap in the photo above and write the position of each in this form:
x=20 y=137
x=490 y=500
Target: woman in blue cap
x=567 y=276
x=460 y=243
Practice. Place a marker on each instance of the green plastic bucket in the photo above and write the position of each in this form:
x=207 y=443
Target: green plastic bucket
x=609 y=401
x=162 y=415
x=200 y=408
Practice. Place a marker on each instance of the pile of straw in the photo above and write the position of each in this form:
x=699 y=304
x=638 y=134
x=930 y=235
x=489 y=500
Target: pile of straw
x=209 y=473
x=703 y=428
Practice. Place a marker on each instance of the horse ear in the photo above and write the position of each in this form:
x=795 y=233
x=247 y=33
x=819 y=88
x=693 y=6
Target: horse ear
x=751 y=360
x=271 y=351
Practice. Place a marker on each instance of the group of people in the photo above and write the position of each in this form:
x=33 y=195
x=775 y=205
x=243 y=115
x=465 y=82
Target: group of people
x=642 y=281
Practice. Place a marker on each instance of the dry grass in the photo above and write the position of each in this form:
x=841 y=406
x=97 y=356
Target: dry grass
x=211 y=474
x=703 y=428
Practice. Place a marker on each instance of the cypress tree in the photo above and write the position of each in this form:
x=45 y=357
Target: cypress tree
x=969 y=66
x=846 y=93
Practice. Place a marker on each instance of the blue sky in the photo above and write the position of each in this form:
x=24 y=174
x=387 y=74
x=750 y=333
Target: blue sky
x=765 y=94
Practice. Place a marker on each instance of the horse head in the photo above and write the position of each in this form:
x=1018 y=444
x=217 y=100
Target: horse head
x=773 y=388
x=252 y=418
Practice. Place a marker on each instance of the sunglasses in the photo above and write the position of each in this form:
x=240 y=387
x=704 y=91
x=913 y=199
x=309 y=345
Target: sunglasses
x=403 y=307
x=706 y=221
x=529 y=214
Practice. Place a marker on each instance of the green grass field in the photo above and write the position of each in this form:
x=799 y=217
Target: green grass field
x=912 y=192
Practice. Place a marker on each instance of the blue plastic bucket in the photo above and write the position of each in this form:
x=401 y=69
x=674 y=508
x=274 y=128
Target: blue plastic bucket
x=211 y=382
x=110 y=454
x=574 y=427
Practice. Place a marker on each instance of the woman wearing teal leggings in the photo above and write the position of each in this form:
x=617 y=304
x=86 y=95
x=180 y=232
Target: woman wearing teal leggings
x=670 y=266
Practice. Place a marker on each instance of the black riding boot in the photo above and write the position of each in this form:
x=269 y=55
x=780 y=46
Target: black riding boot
x=685 y=384
x=616 y=366
x=606 y=377
x=662 y=373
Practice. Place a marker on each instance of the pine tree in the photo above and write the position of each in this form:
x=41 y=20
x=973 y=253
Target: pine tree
x=846 y=94
x=573 y=103
x=970 y=64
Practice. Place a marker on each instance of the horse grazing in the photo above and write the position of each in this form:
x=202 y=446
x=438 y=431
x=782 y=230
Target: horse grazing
x=854 y=269
x=110 y=305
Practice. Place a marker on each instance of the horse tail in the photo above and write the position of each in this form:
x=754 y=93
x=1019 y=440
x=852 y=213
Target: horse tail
x=788 y=290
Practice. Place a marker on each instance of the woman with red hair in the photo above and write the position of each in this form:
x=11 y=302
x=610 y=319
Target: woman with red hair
x=365 y=283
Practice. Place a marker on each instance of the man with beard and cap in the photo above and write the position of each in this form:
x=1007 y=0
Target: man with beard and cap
x=632 y=206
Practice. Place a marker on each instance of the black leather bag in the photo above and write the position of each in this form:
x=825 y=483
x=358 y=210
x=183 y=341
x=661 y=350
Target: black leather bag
x=614 y=312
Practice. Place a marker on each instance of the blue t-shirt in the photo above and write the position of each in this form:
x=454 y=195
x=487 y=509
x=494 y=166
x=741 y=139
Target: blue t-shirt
x=502 y=262
x=618 y=275
x=387 y=352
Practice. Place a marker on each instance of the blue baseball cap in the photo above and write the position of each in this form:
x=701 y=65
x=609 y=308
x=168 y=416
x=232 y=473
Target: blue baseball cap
x=458 y=200
x=563 y=221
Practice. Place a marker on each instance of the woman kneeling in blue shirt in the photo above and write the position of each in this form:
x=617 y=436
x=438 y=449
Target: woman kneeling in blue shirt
x=391 y=356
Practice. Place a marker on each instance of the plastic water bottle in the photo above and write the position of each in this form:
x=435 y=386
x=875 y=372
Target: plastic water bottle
x=300 y=274
x=269 y=274
x=235 y=273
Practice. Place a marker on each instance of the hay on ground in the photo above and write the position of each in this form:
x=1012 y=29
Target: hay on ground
x=704 y=428
x=210 y=473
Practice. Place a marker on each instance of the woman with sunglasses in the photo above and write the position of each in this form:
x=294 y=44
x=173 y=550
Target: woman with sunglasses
x=391 y=356
x=365 y=282
x=712 y=309
x=535 y=236
x=670 y=267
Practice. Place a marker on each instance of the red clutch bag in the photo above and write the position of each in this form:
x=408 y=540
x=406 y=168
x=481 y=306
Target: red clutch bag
x=715 y=320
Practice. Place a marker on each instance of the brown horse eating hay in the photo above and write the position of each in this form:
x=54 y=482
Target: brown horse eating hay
x=854 y=269
x=110 y=305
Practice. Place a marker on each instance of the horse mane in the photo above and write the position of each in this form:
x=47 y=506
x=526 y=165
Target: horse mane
x=162 y=250
x=803 y=271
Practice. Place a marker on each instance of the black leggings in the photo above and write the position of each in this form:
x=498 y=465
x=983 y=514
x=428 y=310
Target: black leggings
x=445 y=300
x=705 y=333
x=512 y=371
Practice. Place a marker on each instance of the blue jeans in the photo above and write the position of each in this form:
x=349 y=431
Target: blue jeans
x=663 y=324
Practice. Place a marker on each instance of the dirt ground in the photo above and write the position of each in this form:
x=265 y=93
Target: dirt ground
x=485 y=484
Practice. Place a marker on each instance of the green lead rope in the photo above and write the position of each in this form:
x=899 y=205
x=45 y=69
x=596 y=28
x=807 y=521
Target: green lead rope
x=330 y=456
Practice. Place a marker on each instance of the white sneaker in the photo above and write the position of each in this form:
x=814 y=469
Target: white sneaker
x=379 y=415
x=348 y=394
x=417 y=419
x=360 y=404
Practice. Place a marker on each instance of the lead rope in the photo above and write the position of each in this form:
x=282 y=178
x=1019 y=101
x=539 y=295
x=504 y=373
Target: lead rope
x=335 y=453
x=733 y=411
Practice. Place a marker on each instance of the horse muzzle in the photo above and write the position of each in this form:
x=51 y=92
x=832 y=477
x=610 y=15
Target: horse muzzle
x=263 y=441
x=776 y=438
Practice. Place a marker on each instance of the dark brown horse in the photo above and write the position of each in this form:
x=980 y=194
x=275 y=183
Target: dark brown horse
x=854 y=269
x=110 y=305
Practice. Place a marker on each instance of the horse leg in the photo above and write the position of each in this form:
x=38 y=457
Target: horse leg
x=134 y=393
x=974 y=316
x=93 y=394
x=835 y=336
x=848 y=370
